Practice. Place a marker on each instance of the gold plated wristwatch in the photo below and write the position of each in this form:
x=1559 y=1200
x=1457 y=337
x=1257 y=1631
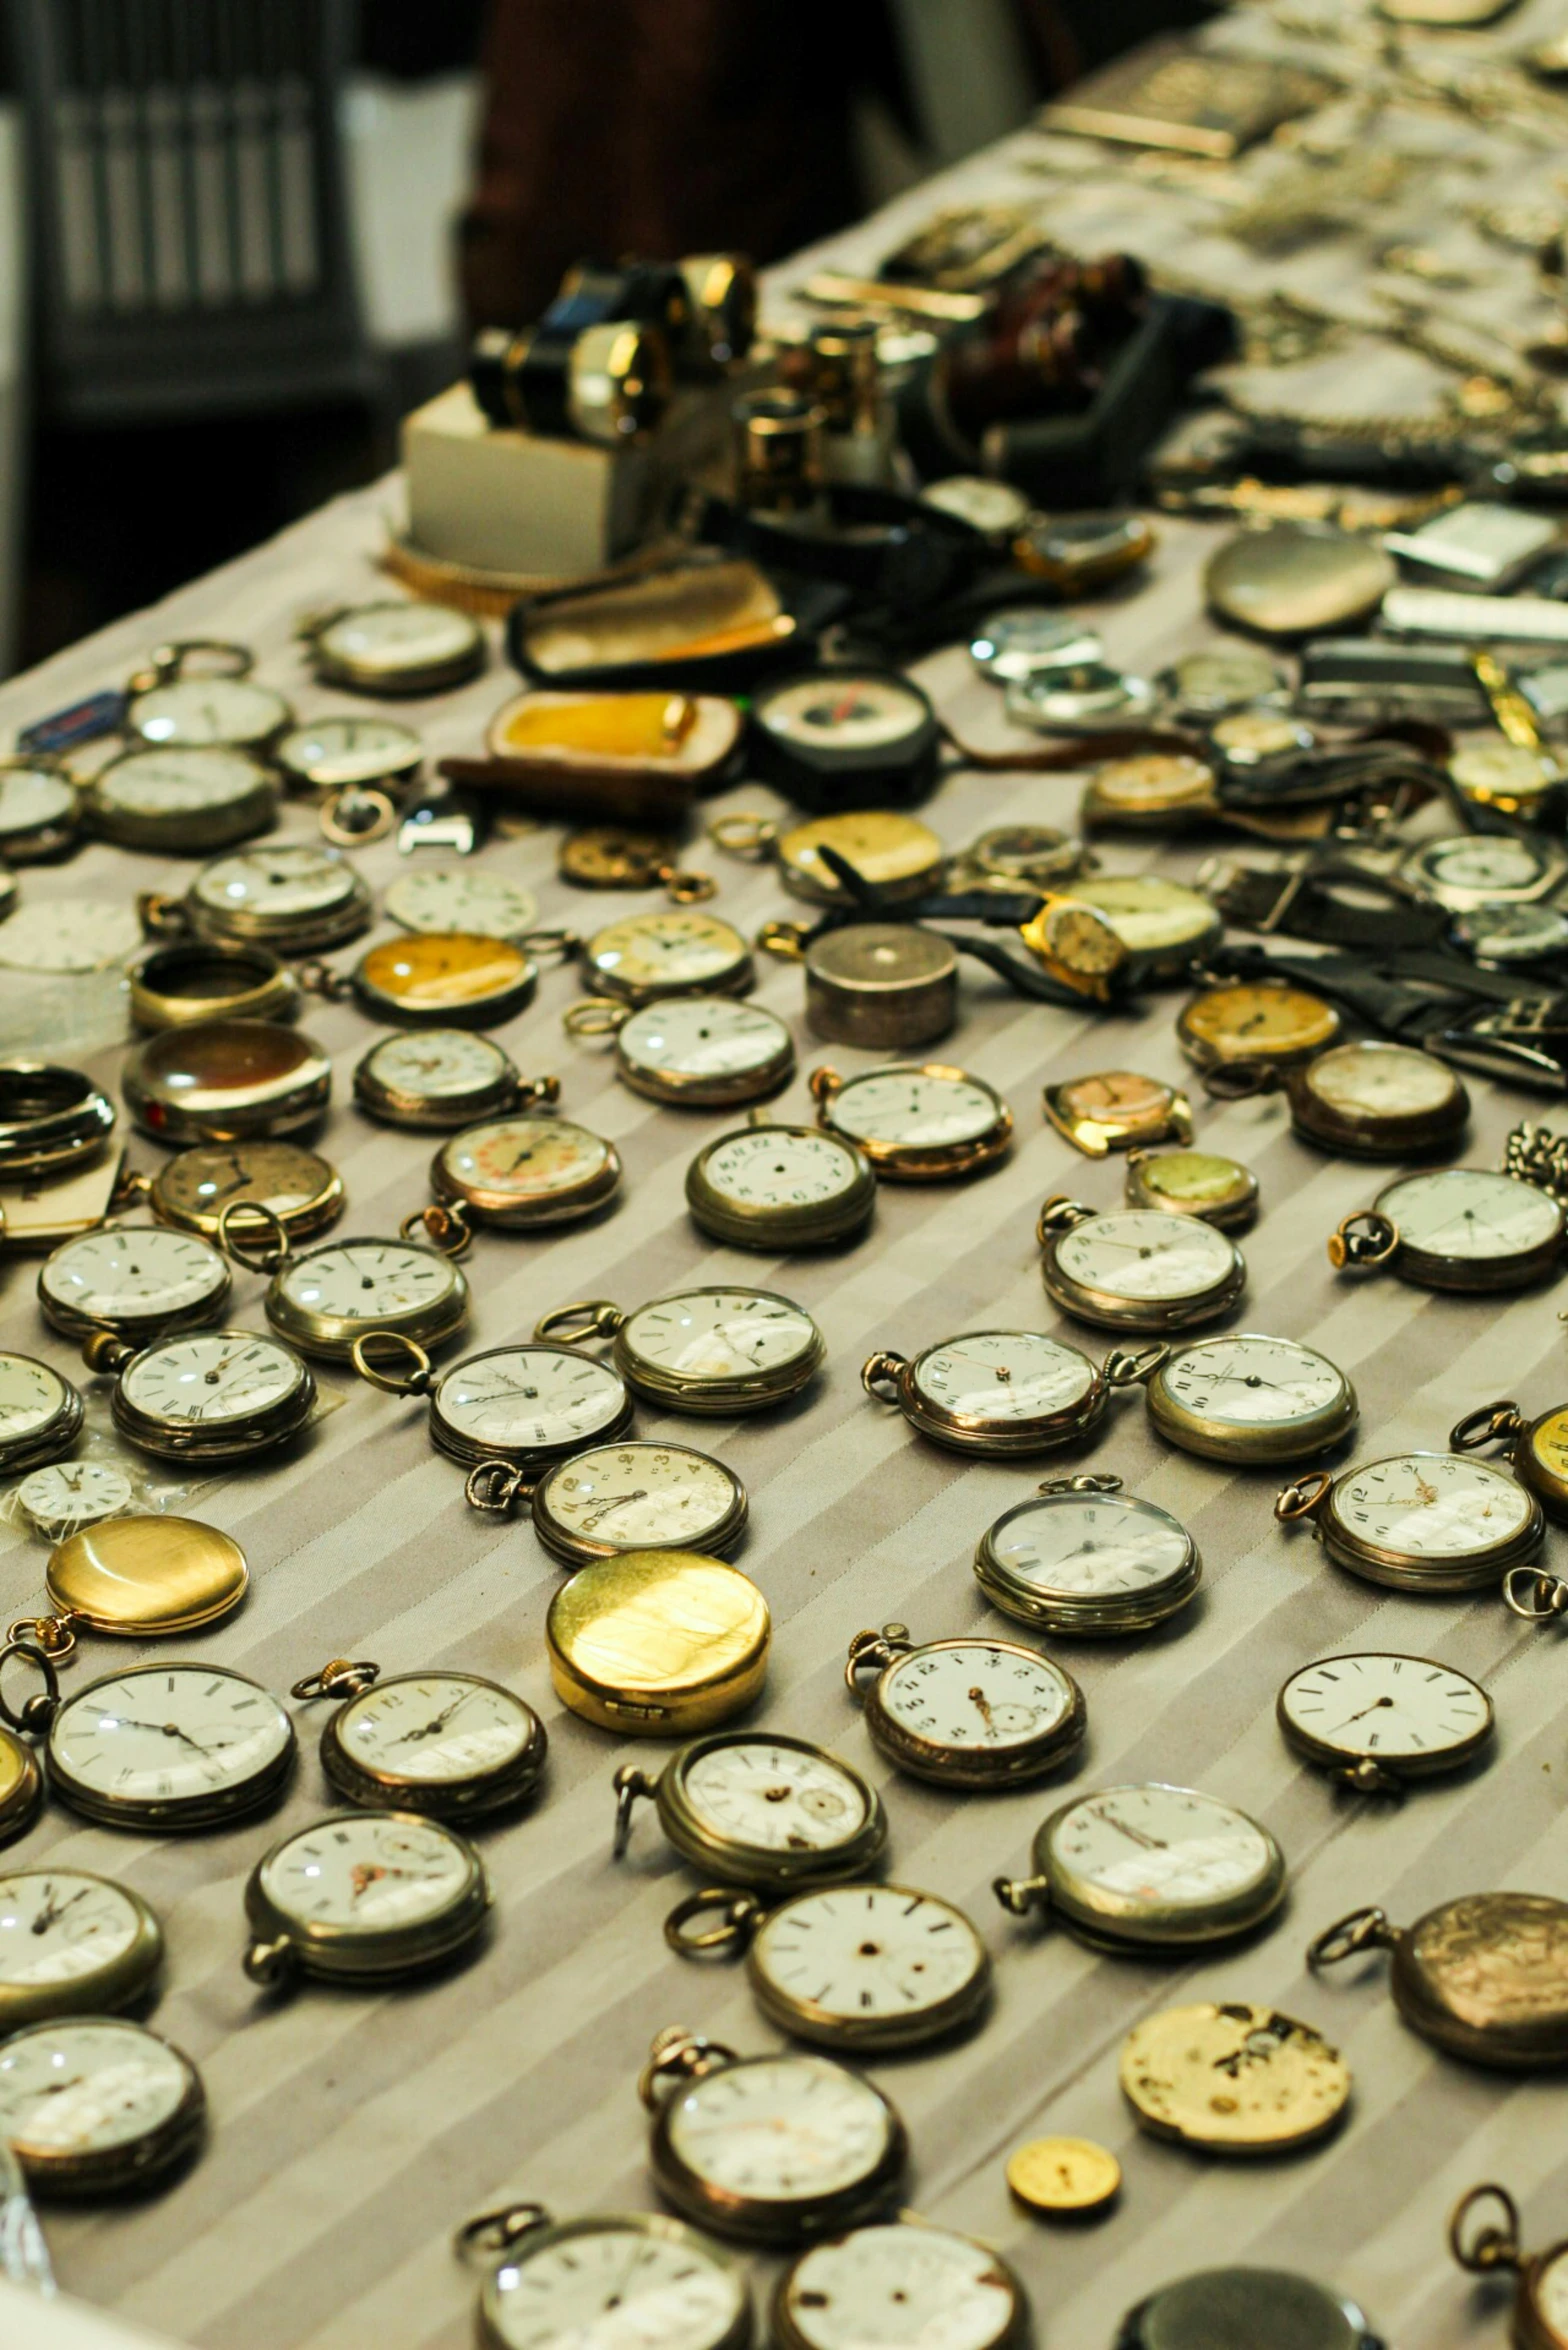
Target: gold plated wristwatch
x=1117 y=1110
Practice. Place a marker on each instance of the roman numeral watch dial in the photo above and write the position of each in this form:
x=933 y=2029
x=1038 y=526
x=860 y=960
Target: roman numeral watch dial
x=1376 y=1721
x=1137 y=1269
x=169 y=1748
x=966 y=1712
x=1420 y=1521
x=71 y=1943
x=141 y=1282
x=214 y=1396
x=1002 y=1391
x=1150 y=1867
x=527 y=1405
x=1246 y=1397
x=916 y=1123
x=773 y=1812
x=1085 y=1558
x=707 y=1351
x=903 y=2288
x=632 y=2278
x=363 y=1896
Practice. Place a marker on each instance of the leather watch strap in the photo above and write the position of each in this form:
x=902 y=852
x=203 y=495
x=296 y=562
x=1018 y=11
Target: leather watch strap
x=1328 y=902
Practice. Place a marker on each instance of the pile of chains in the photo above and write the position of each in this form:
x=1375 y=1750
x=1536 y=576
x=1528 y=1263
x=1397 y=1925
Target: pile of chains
x=1534 y=1154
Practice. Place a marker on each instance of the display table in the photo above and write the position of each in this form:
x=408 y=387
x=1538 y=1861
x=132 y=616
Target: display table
x=352 y=2132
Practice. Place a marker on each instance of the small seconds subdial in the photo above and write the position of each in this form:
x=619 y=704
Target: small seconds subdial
x=774 y=1798
x=970 y=1694
x=523 y=1400
x=216 y=1376
x=878 y=1961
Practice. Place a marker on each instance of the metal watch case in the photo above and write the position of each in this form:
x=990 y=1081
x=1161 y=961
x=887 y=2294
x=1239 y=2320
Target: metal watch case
x=1070 y=1615
x=1371 y=1241
x=1530 y=1449
x=21 y=1787
x=1483 y=1977
x=1363 y=1134
x=1257 y=1446
x=332 y=1336
x=101 y=1989
x=1106 y=1310
x=181 y=1440
x=574 y=1549
x=1116 y=1925
x=1235 y=2308
x=51 y=1119
x=282 y=1942
x=894 y=1378
x=505 y=1209
x=752 y=1391
x=1220 y=1190
x=130 y=2164
x=208 y=979
x=887 y=1652
x=908 y=1162
x=398 y=1105
x=1481 y=1569
x=226 y=1081
x=51 y=1437
x=773 y=1871
x=484 y=1790
x=782 y=1227
x=176 y=1815
x=805 y=2018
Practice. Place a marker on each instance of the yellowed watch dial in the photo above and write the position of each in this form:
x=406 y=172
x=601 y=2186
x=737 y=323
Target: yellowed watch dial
x=1236 y=1023
x=1194 y=1179
x=881 y=846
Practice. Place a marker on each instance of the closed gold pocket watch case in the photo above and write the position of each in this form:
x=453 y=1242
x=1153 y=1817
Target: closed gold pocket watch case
x=140 y=1578
x=658 y=1643
x=1483 y=1977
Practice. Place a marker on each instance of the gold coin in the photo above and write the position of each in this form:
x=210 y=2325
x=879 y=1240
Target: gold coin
x=139 y=1576
x=658 y=1642
x=1234 y=2079
x=1064 y=2174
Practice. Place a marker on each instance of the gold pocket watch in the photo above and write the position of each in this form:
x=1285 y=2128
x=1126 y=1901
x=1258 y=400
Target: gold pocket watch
x=1377 y=1101
x=966 y=1712
x=866 y=1968
x=1375 y=1722
x=289 y=897
x=201 y=691
x=1117 y=1110
x=1460 y=1228
x=550 y=2283
x=1087 y=1560
x=198 y=1188
x=771 y=2150
x=898 y=855
x=136 y=2108
x=182 y=800
x=1419 y=1521
x=694 y=1051
x=72 y=1944
x=394 y=648
x=1136 y=1269
x=658 y=1643
x=760 y=1810
x=916 y=1122
x=1540 y=2311
x=51 y=1120
x=628 y=1496
x=780 y=1187
x=1233 y=2079
x=21 y=1787
x=210 y=979
x=900 y=2285
x=445 y=1078
x=140 y=1282
x=1003 y=1392
x=521 y=1174
x=137 y=1577
x=208 y=1395
x=445 y=1744
x=529 y=1405
x=323 y=1301
x=1255 y=1021
x=40 y=1413
x=1193 y=1183
x=720 y=1350
x=437 y=979
x=461 y=898
x=1150 y=1868
x=1537 y=1449
x=1484 y=1978
x=673 y=951
x=363 y=1897
x=1250 y=1398
x=614 y=856
x=226 y=1081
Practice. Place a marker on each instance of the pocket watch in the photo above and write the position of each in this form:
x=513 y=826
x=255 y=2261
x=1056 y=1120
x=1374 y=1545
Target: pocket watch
x=444 y=1077
x=51 y=1120
x=324 y=1300
x=1236 y=2308
x=437 y=978
x=138 y=1577
x=1484 y=1977
x=40 y=1413
x=205 y=979
x=1014 y=857
x=1540 y=2312
x=1089 y=698
x=1150 y=1867
x=288 y=896
x=615 y=856
x=452 y=898
x=1537 y=1449
x=197 y=1188
x=529 y=1405
x=521 y=1173
x=1087 y=1560
x=866 y=1968
x=780 y=1187
x=721 y=1350
x=40 y=811
x=94 y=2105
x=226 y=1081
x=1250 y=1398
x=1461 y=1228
x=211 y=1395
x=72 y=1943
x=1375 y=1722
x=886 y=985
x=163 y=1748
x=694 y=1052
x=566 y=2285
x=898 y=855
x=1116 y=1109
x=1137 y=1269
x=916 y=1122
x=21 y=1787
x=1158 y=791
x=629 y=1496
x=363 y=1897
x=1164 y=926
x=1256 y=1022
x=1023 y=639
x=331 y=755
x=844 y=738
x=770 y=2150
x=181 y=800
x=1419 y=1521
x=447 y=1745
x=966 y=1712
x=902 y=2287
x=1378 y=1101
x=761 y=1810
x=1193 y=1183
x=396 y=648
x=658 y=1643
x=58 y=1501
x=1233 y=2079
x=139 y=1281
x=1470 y=869
x=1002 y=1392
x=202 y=692
x=672 y=951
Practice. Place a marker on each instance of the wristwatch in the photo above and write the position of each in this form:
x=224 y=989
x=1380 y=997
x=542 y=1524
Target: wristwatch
x=1135 y=1269
x=915 y=1122
x=1459 y=1228
x=1472 y=869
x=1275 y=1024
x=1165 y=927
x=1116 y=1109
x=1002 y=1393
x=1420 y=1521
x=1482 y=1977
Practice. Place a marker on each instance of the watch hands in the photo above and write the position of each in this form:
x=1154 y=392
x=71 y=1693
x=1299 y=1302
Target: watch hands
x=982 y=1706
x=170 y=1730
x=607 y=1509
x=1133 y=1835
x=54 y=1909
x=431 y=1729
x=1365 y=1710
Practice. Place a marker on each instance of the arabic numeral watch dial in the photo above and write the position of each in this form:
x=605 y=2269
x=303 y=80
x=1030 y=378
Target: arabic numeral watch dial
x=916 y=1123
x=1001 y=1392
x=1085 y=1559
x=40 y=1413
x=769 y=2150
x=770 y=1812
x=715 y=1351
x=140 y=1282
x=631 y=1497
x=363 y=1896
x=169 y=1748
x=522 y=1173
x=1420 y=1521
x=702 y=1051
x=966 y=1712
x=445 y=1744
x=181 y=799
x=322 y=1301
x=1460 y=1228
x=780 y=1188
x=72 y=1944
x=527 y=1405
x=1150 y=1867
x=1137 y=1268
x=216 y=1395
x=1375 y=1721
x=1377 y=1101
x=903 y=2288
x=93 y=2105
x=1247 y=1397
x=632 y=2278
x=673 y=951
x=442 y=1077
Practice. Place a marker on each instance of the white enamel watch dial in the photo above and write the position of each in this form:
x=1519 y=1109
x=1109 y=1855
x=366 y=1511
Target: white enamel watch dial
x=33 y=1398
x=1430 y=1505
x=973 y=1698
x=169 y=1745
x=1384 y=1081
x=1154 y=1852
x=185 y=780
x=1470 y=1213
x=773 y=1798
x=641 y=1497
x=331 y=753
x=720 y=1336
x=446 y=898
x=780 y=2129
x=369 y=1283
x=285 y=881
x=781 y=1167
x=900 y=2288
x=139 y=1278
x=367 y=1874
x=1253 y=1381
x=437 y=1064
x=673 y=951
x=87 y=2095
x=1400 y=1710
x=1145 y=1256
x=69 y=934
x=869 y=1955
x=690 y=1039
x=201 y=710
x=915 y=1108
x=393 y=642
x=72 y=1494
x=433 y=1728
x=212 y=1377
x=65 y=1938
x=1087 y=1562
x=1003 y=1376
x=33 y=799
x=1551 y=2295
x=525 y=1159
x=1477 y=869
x=610 y=2284
x=526 y=1399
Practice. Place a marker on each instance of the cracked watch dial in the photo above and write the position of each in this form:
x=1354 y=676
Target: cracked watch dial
x=773 y=1798
x=640 y=1497
x=900 y=2288
x=165 y=1744
x=617 y=2284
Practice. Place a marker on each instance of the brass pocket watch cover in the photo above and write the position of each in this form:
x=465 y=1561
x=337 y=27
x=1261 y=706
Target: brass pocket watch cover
x=444 y=1078
x=866 y=1968
x=1250 y=1021
x=211 y=979
x=437 y=979
x=140 y=2108
x=330 y=1296
x=226 y=1081
x=139 y=1577
x=139 y=1281
x=1377 y=1722
x=695 y=1051
x=1005 y=1393
x=448 y=1745
x=898 y=2285
x=620 y=1497
x=1540 y=2311
x=51 y=1120
x=917 y=1122
x=1233 y=2079
x=72 y=1944
x=40 y=1413
x=672 y=951
x=1087 y=1560
x=1537 y=1450
x=1193 y=1183
x=899 y=856
x=527 y=1405
x=1150 y=1868
x=781 y=1187
x=659 y=2277
x=1133 y=1269
x=759 y=1809
x=770 y=2150
x=658 y=1643
x=1116 y=1110
x=1457 y=1228
x=363 y=1897
x=718 y=1350
x=207 y=1395
x=520 y=1174
x=1420 y=1521
x=213 y=1184
x=1377 y=1101
x=691 y=736
x=21 y=1787
x=1250 y=1398
x=1484 y=1977
x=965 y=1712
